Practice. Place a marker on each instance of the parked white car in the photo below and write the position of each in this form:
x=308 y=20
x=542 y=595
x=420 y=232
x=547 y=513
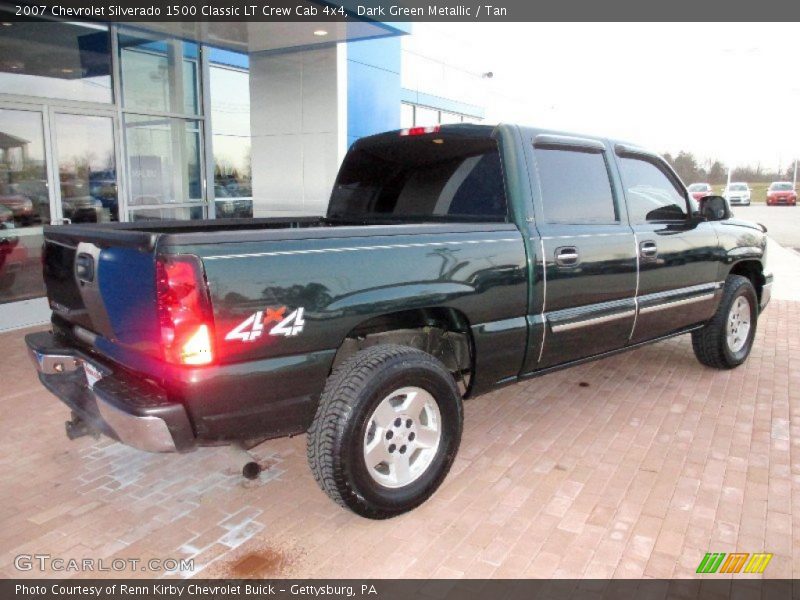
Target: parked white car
x=737 y=193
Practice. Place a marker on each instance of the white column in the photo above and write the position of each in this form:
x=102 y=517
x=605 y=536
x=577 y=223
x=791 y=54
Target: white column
x=296 y=105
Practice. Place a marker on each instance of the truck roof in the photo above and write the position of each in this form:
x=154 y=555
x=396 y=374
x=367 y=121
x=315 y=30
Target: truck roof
x=489 y=130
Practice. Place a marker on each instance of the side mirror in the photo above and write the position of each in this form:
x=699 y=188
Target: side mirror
x=715 y=208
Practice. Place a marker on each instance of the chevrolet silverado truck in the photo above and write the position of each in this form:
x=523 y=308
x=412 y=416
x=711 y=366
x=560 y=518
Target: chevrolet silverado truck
x=452 y=261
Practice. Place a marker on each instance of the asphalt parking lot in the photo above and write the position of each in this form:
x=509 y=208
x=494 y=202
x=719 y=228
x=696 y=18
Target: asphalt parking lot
x=633 y=466
x=783 y=222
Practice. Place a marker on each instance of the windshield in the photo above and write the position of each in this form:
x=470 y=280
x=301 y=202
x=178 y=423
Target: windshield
x=698 y=187
x=417 y=177
x=738 y=187
x=781 y=187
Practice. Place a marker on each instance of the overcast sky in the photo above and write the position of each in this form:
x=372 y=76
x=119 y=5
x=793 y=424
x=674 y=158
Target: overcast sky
x=718 y=90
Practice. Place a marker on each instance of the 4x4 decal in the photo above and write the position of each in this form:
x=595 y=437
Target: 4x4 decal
x=254 y=326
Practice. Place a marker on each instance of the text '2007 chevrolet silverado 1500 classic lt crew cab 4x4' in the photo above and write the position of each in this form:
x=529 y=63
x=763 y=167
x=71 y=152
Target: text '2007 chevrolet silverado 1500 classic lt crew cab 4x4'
x=451 y=261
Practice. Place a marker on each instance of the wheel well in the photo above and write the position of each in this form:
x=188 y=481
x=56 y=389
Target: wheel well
x=441 y=332
x=754 y=271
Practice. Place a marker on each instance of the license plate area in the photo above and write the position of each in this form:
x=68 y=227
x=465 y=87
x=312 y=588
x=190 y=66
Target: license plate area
x=93 y=373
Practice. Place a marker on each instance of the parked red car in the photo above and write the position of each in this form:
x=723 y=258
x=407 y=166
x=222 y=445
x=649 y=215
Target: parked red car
x=781 y=192
x=700 y=190
x=13 y=255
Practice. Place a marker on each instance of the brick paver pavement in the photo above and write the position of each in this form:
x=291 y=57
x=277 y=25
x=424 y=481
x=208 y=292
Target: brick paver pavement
x=632 y=466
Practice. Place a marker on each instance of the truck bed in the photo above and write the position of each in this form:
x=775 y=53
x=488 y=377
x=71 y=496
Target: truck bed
x=340 y=274
x=143 y=235
x=146 y=237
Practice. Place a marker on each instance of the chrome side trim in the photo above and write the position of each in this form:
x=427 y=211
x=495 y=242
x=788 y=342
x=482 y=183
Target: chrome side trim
x=145 y=433
x=676 y=303
x=593 y=321
x=358 y=248
x=636 y=295
x=544 y=300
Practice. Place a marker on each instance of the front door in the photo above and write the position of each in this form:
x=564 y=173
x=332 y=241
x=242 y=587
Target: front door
x=86 y=164
x=25 y=204
x=677 y=254
x=56 y=166
x=587 y=251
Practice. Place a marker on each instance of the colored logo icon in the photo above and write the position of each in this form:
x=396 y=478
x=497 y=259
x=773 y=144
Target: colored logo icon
x=735 y=562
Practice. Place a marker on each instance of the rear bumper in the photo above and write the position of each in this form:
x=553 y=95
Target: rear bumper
x=133 y=411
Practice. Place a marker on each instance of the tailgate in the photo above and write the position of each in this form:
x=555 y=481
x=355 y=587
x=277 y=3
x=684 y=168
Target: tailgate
x=103 y=280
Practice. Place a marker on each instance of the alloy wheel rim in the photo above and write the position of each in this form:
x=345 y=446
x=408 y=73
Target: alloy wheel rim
x=402 y=437
x=738 y=327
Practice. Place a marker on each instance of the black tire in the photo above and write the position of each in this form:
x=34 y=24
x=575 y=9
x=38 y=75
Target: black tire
x=710 y=343
x=336 y=437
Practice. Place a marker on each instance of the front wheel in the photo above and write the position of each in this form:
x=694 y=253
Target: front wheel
x=726 y=340
x=386 y=431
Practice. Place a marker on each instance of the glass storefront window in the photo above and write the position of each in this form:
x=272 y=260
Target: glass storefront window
x=87 y=168
x=414 y=115
x=24 y=204
x=448 y=118
x=51 y=59
x=426 y=117
x=230 y=115
x=159 y=74
x=406 y=115
x=164 y=165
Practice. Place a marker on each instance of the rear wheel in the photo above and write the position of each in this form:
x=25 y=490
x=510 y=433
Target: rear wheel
x=386 y=431
x=726 y=340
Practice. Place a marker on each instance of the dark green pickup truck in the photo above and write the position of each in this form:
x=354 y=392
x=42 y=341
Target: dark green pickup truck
x=452 y=261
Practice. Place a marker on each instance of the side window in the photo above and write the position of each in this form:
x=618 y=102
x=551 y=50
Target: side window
x=652 y=195
x=575 y=186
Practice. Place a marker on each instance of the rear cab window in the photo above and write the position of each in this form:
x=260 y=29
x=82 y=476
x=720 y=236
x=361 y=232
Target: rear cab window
x=435 y=176
x=575 y=186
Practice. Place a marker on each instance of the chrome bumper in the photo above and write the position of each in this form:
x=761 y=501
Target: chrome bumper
x=133 y=412
x=145 y=433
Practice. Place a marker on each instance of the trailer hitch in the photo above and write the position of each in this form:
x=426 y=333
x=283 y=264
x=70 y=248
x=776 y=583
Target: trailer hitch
x=77 y=428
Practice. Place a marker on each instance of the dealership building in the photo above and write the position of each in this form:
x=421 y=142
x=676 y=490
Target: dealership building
x=126 y=122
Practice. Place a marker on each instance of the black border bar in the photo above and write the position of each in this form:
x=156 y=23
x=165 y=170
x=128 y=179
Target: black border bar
x=388 y=11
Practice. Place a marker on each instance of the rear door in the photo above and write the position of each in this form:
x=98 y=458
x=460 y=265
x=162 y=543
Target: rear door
x=586 y=248
x=678 y=255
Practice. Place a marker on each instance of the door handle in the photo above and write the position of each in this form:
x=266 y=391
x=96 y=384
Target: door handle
x=567 y=256
x=648 y=250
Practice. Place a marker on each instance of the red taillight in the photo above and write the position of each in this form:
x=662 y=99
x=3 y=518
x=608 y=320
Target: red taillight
x=420 y=130
x=184 y=311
